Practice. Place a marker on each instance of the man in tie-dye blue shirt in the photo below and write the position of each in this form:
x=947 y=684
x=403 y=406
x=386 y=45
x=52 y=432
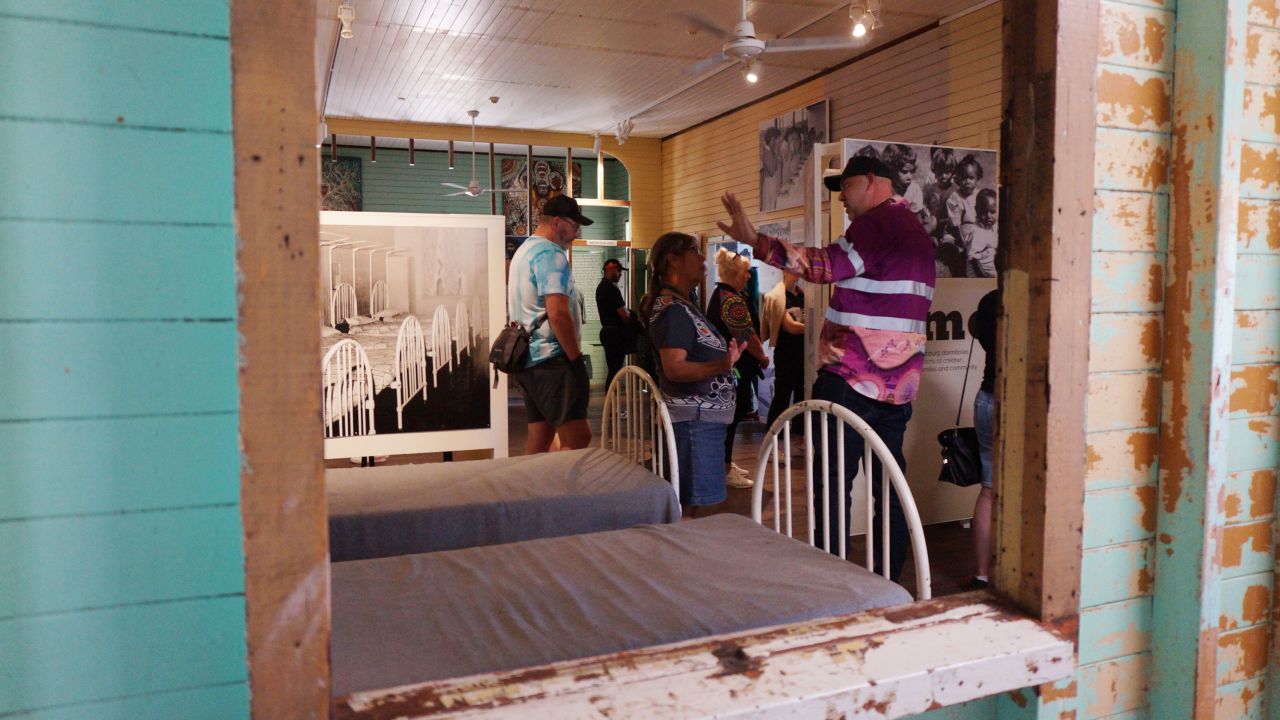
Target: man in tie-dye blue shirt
x=540 y=291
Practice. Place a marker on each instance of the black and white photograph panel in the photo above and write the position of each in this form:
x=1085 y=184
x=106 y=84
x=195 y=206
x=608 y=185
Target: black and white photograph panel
x=786 y=142
x=954 y=193
x=406 y=328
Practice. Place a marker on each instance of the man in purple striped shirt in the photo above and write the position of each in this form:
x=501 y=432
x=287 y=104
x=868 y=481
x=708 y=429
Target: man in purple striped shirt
x=871 y=347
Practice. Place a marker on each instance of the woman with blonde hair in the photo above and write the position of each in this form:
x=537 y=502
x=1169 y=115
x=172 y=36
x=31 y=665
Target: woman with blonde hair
x=695 y=366
x=729 y=311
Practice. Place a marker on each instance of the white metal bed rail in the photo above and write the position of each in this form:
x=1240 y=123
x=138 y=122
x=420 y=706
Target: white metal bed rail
x=411 y=366
x=347 y=390
x=461 y=330
x=441 y=343
x=343 y=303
x=645 y=434
x=768 y=459
x=378 y=297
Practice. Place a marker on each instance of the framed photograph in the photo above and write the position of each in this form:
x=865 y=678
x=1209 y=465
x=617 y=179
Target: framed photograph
x=786 y=142
x=412 y=303
x=954 y=192
x=548 y=180
x=341 y=183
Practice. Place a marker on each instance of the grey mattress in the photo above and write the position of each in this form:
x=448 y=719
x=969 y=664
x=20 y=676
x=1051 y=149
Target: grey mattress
x=425 y=617
x=407 y=509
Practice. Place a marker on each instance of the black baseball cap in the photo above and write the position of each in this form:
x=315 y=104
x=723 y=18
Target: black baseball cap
x=860 y=165
x=565 y=207
x=615 y=261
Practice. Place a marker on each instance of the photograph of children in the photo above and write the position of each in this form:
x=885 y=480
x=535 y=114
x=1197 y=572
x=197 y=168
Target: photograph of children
x=953 y=192
x=786 y=142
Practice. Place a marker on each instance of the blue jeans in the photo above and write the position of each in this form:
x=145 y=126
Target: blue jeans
x=890 y=423
x=984 y=421
x=700 y=452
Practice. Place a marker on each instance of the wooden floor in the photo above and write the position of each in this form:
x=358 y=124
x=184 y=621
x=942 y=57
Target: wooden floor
x=950 y=544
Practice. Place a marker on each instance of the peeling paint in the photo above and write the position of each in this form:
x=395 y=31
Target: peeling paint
x=1265 y=12
x=1259 y=169
x=1147 y=496
x=1262 y=492
x=1259 y=225
x=1234 y=537
x=1154 y=35
x=1124 y=100
x=1255 y=389
x=1257 y=604
x=1242 y=654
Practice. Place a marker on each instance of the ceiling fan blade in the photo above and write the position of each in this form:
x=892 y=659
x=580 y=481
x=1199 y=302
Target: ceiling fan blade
x=454 y=185
x=706 y=64
x=818 y=43
x=703 y=24
x=504 y=190
x=460 y=192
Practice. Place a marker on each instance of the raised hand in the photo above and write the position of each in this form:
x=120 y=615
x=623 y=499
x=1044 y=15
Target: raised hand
x=739 y=227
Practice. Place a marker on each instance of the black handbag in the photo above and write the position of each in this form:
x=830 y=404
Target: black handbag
x=961 y=458
x=510 y=349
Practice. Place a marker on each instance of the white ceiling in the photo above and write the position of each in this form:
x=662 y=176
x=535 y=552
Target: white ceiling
x=574 y=65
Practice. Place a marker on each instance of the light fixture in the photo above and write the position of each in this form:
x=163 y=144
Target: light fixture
x=333 y=146
x=450 y=154
x=595 y=146
x=623 y=131
x=373 y=149
x=347 y=16
x=410 y=152
x=751 y=70
x=865 y=15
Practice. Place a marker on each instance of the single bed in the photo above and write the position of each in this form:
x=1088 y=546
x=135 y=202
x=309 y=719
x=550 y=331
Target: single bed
x=347 y=390
x=437 y=615
x=406 y=509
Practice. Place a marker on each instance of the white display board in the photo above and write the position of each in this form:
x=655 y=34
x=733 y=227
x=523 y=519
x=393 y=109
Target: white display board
x=429 y=296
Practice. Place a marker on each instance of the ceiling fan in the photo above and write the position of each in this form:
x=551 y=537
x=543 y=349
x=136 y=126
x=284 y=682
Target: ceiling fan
x=472 y=189
x=743 y=46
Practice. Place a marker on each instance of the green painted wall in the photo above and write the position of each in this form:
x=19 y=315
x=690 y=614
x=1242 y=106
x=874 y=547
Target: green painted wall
x=392 y=185
x=121 y=581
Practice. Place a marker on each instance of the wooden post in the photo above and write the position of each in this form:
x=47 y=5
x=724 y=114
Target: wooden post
x=281 y=482
x=1046 y=207
x=1199 y=279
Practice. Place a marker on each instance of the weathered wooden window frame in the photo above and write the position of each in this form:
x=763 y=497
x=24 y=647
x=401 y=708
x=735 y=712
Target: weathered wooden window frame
x=1046 y=205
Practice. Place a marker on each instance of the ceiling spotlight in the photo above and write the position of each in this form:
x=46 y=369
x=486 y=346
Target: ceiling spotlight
x=865 y=15
x=347 y=16
x=751 y=70
x=595 y=145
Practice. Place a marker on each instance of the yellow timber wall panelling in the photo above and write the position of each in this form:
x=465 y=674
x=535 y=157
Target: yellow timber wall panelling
x=942 y=86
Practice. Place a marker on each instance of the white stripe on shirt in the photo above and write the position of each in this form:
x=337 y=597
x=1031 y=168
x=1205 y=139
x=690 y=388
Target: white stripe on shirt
x=875 y=322
x=887 y=287
x=858 y=266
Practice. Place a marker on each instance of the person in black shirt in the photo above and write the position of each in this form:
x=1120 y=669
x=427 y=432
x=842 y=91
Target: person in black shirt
x=982 y=326
x=617 y=326
x=783 y=320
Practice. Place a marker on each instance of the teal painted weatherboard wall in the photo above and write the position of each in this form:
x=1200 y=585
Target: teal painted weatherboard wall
x=121 y=581
x=392 y=185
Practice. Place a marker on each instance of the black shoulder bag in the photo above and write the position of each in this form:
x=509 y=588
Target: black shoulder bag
x=961 y=459
x=511 y=348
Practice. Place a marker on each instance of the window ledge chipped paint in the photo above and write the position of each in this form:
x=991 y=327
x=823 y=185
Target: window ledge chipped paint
x=868 y=665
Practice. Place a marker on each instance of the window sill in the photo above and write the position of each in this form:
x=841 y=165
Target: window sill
x=888 y=663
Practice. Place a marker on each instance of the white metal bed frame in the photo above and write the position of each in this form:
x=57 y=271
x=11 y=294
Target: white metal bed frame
x=769 y=458
x=411 y=366
x=461 y=330
x=645 y=436
x=347 y=390
x=377 y=296
x=343 y=303
x=441 y=343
